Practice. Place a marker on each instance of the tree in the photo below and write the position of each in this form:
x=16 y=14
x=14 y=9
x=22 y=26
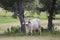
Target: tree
x=49 y=5
x=21 y=14
x=57 y=6
x=8 y=4
x=51 y=13
x=21 y=5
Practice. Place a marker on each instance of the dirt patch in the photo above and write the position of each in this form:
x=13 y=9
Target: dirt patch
x=30 y=38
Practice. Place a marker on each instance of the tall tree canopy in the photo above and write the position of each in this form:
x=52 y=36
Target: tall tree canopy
x=18 y=6
x=51 y=7
x=9 y=4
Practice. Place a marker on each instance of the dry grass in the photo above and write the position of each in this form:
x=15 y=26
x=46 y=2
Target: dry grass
x=4 y=26
x=44 y=23
x=30 y=38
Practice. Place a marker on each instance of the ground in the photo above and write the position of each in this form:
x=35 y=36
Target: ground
x=4 y=26
x=30 y=38
x=8 y=22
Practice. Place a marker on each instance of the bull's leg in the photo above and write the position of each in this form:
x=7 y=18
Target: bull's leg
x=35 y=30
x=27 y=31
x=31 y=31
x=40 y=30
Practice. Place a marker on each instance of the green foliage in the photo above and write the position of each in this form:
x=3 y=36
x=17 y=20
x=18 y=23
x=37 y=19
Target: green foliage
x=13 y=30
x=30 y=4
x=47 y=3
x=58 y=6
x=7 y=19
x=46 y=32
x=7 y=4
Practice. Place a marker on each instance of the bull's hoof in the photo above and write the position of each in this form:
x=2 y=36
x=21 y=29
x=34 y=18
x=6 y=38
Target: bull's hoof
x=30 y=34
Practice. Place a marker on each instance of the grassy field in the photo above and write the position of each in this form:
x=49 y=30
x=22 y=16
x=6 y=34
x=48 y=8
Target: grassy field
x=7 y=17
x=7 y=20
x=30 y=38
x=46 y=35
x=17 y=32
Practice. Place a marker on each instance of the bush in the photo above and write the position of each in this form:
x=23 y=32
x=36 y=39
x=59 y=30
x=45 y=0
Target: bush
x=16 y=31
x=13 y=30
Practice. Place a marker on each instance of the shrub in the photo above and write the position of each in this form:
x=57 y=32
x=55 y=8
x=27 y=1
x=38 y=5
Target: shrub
x=13 y=30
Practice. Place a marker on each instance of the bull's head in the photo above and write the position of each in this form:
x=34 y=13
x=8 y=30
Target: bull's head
x=27 y=22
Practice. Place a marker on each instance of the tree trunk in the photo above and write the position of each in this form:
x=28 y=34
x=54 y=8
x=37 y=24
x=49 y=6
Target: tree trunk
x=50 y=24
x=51 y=13
x=21 y=14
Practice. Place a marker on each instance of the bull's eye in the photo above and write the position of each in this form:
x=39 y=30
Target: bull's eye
x=26 y=24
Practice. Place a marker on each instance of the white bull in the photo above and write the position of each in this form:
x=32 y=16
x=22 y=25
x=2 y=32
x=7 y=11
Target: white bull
x=32 y=24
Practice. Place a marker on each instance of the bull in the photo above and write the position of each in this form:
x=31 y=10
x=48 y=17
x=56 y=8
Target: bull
x=32 y=25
